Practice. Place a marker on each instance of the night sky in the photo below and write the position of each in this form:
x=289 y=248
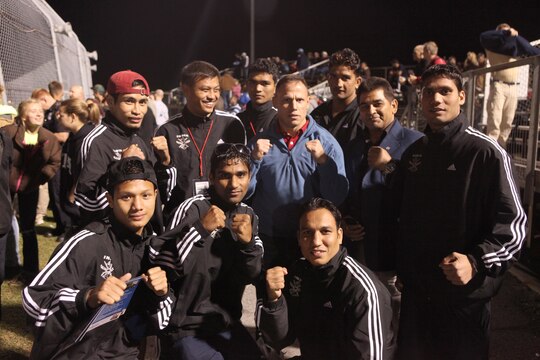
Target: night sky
x=156 y=38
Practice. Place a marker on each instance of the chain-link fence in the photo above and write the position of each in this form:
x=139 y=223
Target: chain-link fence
x=36 y=47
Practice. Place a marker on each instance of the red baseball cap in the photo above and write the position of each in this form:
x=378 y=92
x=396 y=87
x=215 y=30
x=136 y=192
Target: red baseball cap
x=122 y=83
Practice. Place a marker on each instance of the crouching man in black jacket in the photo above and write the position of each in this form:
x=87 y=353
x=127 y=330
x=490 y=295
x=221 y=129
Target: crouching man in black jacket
x=212 y=253
x=337 y=308
x=91 y=268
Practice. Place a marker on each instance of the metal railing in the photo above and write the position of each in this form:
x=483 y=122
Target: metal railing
x=522 y=145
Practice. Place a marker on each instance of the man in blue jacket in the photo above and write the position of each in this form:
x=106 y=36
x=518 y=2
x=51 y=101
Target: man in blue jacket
x=369 y=231
x=292 y=162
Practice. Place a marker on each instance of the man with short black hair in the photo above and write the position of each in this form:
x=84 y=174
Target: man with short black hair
x=334 y=306
x=91 y=269
x=340 y=115
x=116 y=136
x=212 y=250
x=261 y=86
x=461 y=226
x=370 y=234
x=193 y=135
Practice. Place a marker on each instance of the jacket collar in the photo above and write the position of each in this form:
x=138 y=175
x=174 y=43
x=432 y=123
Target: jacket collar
x=192 y=120
x=117 y=128
x=18 y=138
x=448 y=131
x=260 y=108
x=276 y=133
x=325 y=274
x=126 y=236
x=351 y=107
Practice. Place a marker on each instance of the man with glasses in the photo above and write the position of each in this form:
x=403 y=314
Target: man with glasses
x=211 y=250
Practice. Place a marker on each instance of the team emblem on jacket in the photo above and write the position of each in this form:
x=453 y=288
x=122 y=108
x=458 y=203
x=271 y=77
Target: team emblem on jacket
x=117 y=154
x=415 y=162
x=295 y=286
x=183 y=141
x=107 y=267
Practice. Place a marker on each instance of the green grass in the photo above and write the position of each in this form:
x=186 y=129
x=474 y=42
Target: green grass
x=15 y=335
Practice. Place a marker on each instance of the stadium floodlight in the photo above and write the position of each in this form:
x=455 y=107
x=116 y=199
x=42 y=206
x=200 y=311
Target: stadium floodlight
x=92 y=55
x=65 y=29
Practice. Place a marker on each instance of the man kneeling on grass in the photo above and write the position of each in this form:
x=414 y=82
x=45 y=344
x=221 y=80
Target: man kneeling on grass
x=91 y=269
x=335 y=307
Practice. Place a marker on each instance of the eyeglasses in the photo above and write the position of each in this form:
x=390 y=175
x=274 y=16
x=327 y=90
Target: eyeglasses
x=225 y=150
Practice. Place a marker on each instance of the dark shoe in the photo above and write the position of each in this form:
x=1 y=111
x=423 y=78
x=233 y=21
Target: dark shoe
x=61 y=238
x=48 y=234
x=12 y=272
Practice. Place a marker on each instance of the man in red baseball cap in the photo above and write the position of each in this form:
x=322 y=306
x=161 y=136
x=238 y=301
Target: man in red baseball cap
x=117 y=136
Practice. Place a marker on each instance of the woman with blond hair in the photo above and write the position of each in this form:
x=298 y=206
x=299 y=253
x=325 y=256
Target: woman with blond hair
x=96 y=111
x=74 y=115
x=35 y=160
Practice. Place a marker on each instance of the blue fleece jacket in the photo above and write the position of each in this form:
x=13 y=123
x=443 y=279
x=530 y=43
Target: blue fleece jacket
x=283 y=180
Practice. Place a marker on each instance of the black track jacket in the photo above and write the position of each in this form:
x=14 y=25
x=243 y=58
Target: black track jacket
x=337 y=311
x=176 y=180
x=211 y=270
x=100 y=147
x=55 y=300
x=457 y=194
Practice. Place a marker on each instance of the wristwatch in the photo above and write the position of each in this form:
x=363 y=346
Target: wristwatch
x=389 y=167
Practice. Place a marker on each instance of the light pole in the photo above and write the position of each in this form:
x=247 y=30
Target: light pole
x=252 y=31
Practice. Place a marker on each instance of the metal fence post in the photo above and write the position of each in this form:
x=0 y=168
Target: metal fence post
x=469 y=104
x=532 y=149
x=40 y=5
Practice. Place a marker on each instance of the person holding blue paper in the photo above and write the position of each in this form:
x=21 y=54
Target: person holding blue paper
x=91 y=268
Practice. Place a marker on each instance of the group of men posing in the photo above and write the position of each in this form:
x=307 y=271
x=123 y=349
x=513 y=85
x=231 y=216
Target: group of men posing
x=441 y=209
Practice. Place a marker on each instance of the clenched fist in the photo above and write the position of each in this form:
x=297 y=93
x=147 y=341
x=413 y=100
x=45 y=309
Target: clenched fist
x=317 y=151
x=262 y=147
x=378 y=157
x=241 y=226
x=457 y=268
x=159 y=143
x=275 y=282
x=156 y=280
x=213 y=219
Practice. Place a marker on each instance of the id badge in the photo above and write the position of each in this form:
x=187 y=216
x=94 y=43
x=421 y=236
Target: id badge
x=200 y=187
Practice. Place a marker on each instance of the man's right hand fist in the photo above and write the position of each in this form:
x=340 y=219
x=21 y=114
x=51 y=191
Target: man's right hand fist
x=275 y=282
x=262 y=147
x=213 y=219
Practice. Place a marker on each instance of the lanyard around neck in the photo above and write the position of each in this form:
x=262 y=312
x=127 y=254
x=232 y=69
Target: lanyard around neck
x=201 y=150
